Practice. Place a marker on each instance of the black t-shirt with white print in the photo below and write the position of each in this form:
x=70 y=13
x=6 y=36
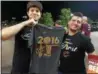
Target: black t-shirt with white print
x=21 y=58
x=73 y=53
x=45 y=49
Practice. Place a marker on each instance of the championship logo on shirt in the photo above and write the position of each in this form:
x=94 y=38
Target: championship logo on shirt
x=45 y=45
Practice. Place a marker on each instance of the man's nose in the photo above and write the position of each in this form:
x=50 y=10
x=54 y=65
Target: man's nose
x=76 y=22
x=34 y=12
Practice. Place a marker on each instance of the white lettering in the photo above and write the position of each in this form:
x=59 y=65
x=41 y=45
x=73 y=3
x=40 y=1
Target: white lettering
x=72 y=48
x=26 y=36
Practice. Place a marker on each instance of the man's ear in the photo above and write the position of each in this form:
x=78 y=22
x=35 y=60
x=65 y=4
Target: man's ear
x=27 y=13
x=41 y=14
x=68 y=22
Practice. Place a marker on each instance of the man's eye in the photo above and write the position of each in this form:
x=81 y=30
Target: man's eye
x=78 y=22
x=32 y=10
x=73 y=20
x=37 y=10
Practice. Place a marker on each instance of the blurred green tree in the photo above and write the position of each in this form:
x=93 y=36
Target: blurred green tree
x=47 y=19
x=65 y=15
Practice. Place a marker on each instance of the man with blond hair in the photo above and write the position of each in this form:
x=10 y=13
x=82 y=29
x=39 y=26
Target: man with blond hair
x=86 y=27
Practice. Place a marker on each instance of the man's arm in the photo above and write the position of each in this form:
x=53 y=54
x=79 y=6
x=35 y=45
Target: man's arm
x=90 y=48
x=93 y=53
x=8 y=32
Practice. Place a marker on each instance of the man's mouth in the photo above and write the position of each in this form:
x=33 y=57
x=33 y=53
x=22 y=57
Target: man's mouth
x=74 y=26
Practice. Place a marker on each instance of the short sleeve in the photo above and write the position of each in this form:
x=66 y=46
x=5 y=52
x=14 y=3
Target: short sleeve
x=89 y=46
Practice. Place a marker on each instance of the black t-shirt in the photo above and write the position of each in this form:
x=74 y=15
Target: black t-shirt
x=73 y=53
x=21 y=58
x=45 y=48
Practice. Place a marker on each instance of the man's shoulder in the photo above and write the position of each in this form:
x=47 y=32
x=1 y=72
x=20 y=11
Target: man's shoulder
x=83 y=37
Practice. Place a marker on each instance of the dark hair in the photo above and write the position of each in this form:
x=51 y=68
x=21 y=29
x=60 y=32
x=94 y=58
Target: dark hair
x=79 y=14
x=58 y=22
x=34 y=4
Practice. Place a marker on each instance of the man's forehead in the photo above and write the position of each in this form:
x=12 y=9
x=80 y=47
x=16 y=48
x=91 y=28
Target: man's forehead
x=77 y=18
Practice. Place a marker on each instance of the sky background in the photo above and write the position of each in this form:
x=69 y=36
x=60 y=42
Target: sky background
x=18 y=8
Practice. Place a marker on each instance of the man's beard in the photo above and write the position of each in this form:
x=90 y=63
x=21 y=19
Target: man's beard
x=74 y=30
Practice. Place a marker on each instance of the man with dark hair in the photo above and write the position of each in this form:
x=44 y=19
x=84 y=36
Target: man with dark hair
x=74 y=47
x=37 y=46
x=79 y=14
x=21 y=31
